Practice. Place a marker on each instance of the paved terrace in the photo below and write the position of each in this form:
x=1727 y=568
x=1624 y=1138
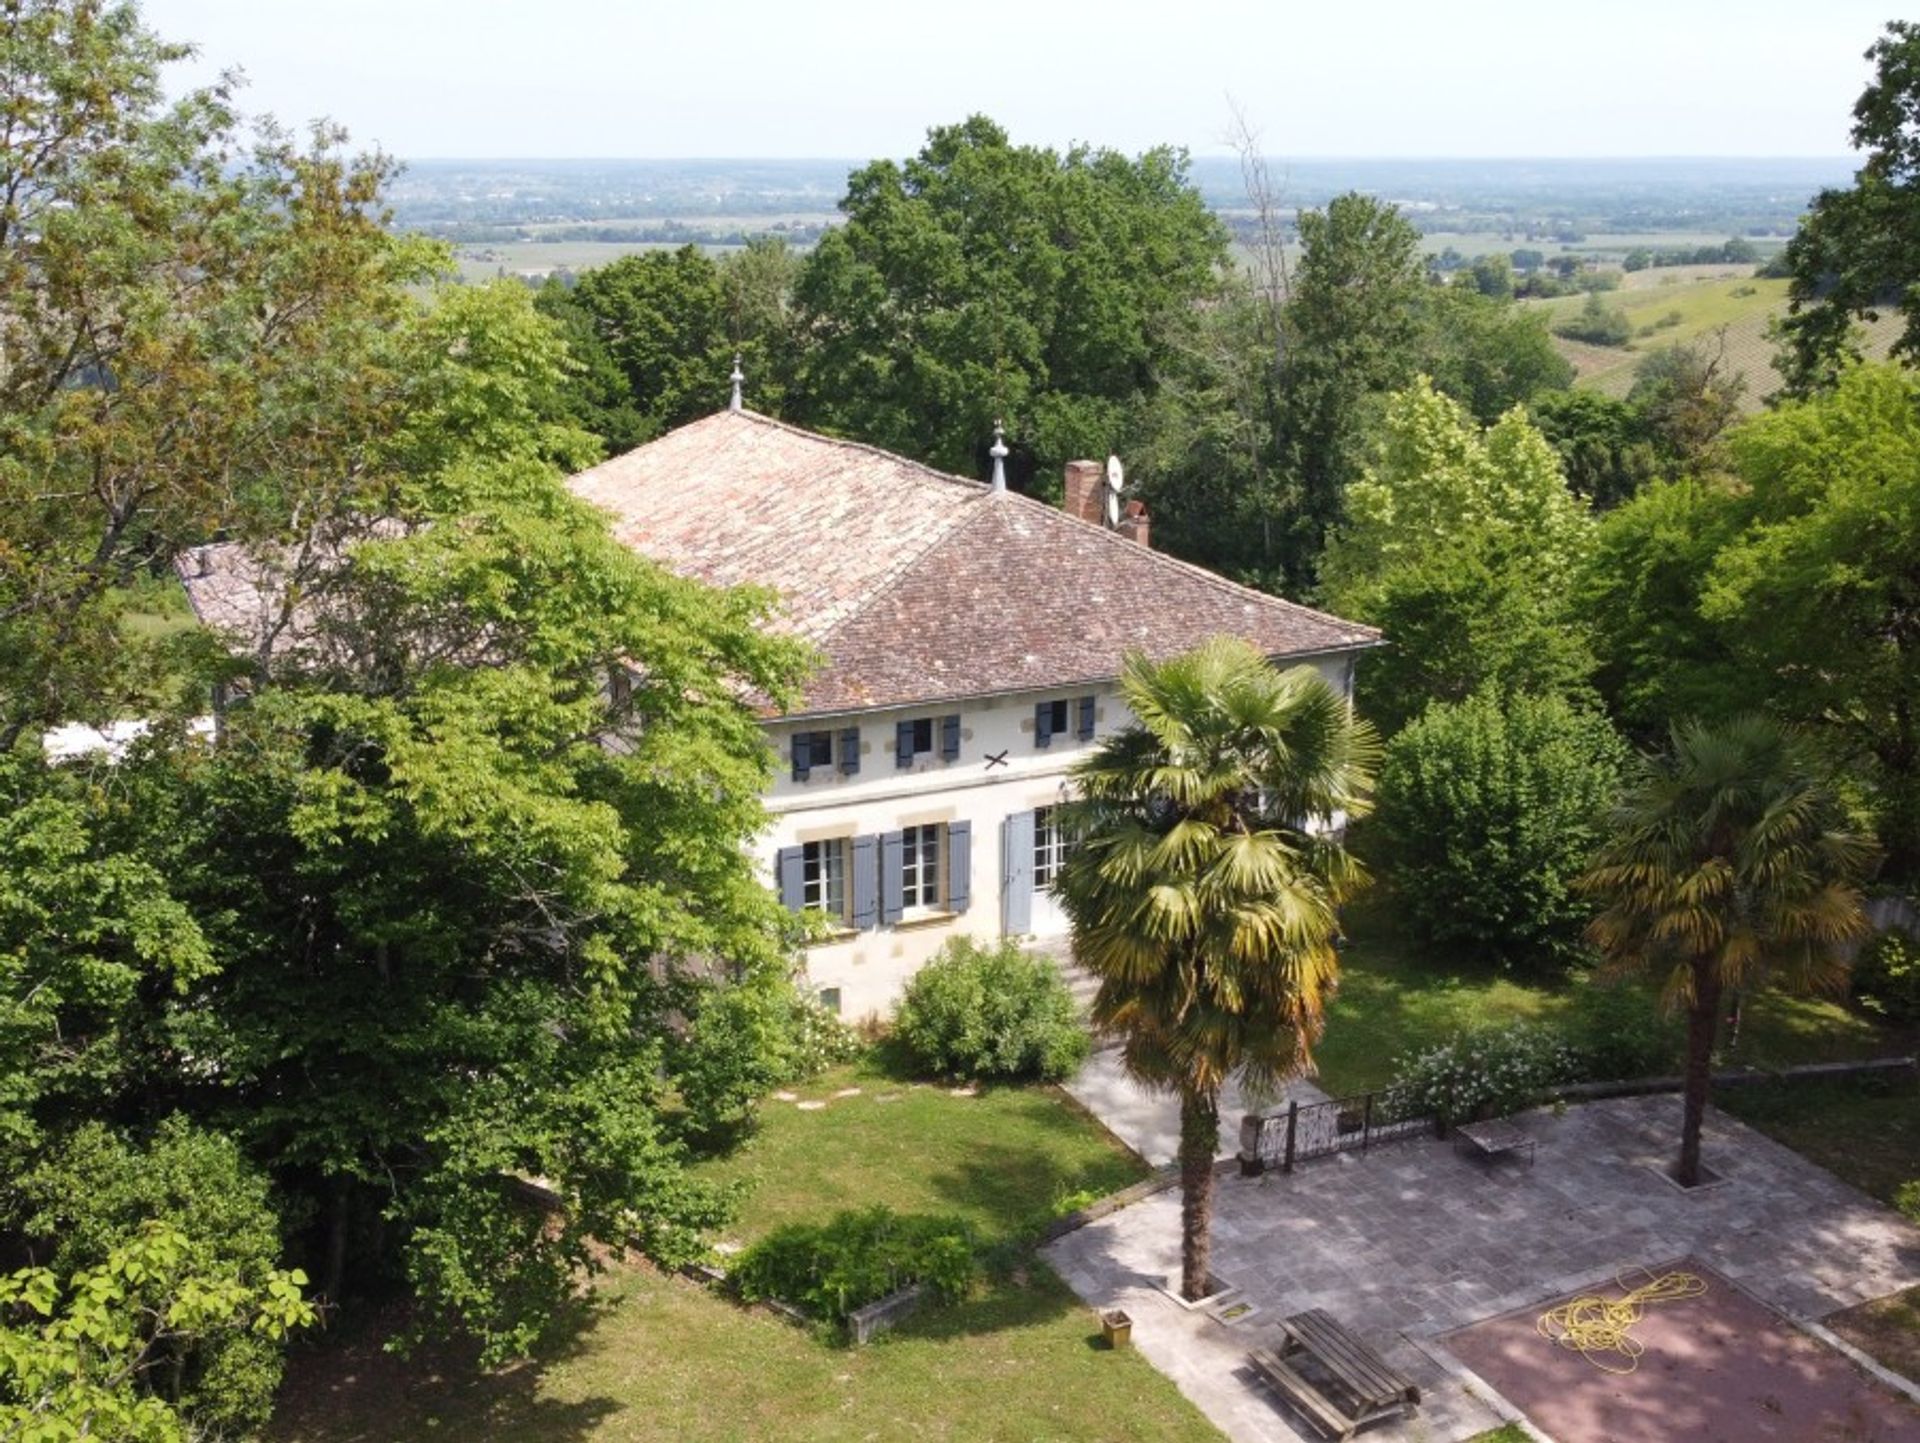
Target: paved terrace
x=1413 y=1240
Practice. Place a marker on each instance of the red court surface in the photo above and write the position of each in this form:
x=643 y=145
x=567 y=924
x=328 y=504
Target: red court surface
x=1718 y=1368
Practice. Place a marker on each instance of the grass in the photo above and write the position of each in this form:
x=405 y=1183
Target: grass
x=1864 y=1132
x=1505 y=1433
x=1004 y=1160
x=1396 y=998
x=653 y=1357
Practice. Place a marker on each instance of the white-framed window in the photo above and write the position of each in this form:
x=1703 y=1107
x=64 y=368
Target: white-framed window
x=920 y=866
x=823 y=877
x=1049 y=847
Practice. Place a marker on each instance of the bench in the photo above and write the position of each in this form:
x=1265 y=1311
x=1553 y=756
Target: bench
x=1307 y=1400
x=1500 y=1137
x=1363 y=1386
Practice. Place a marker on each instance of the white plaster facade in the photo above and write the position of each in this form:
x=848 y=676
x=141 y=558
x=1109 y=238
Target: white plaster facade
x=865 y=968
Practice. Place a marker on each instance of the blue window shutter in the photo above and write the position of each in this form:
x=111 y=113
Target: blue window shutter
x=864 y=858
x=1086 y=718
x=790 y=869
x=892 y=883
x=959 y=865
x=802 y=755
x=1043 y=723
x=1016 y=874
x=849 y=750
x=903 y=744
x=950 y=737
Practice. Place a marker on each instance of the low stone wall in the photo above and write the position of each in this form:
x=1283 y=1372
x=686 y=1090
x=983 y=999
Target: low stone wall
x=877 y=1317
x=1739 y=1076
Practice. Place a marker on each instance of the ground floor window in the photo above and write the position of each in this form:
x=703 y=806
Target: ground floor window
x=920 y=866
x=823 y=877
x=1049 y=849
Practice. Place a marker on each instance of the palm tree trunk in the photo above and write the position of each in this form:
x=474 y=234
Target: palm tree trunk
x=1199 y=1137
x=1703 y=1018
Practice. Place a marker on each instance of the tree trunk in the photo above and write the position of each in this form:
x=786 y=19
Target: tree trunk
x=337 y=1229
x=1703 y=1019
x=1199 y=1137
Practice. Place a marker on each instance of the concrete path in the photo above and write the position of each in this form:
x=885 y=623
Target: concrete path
x=1411 y=1241
x=1149 y=1122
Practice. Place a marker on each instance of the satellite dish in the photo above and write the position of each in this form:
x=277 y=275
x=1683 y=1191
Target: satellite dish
x=1113 y=510
x=1116 y=475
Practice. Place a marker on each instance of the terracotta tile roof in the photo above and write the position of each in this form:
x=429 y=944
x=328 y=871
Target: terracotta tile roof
x=919 y=586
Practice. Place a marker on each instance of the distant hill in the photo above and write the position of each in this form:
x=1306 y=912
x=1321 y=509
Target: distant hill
x=1713 y=306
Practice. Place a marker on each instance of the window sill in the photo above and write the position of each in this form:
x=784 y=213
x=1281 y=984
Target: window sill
x=913 y=921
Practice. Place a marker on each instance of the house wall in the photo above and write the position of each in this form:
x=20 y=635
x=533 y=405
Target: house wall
x=869 y=967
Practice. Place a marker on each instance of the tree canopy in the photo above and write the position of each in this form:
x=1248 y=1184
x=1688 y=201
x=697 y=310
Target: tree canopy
x=1854 y=253
x=983 y=279
x=1463 y=543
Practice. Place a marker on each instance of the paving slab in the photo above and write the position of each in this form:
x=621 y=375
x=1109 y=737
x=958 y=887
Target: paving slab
x=1149 y=1122
x=1413 y=1240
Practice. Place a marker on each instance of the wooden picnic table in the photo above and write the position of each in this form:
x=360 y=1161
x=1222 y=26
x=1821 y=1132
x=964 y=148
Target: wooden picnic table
x=1498 y=1137
x=1364 y=1387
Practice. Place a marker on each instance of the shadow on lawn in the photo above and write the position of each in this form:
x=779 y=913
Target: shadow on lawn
x=1024 y=1187
x=345 y=1388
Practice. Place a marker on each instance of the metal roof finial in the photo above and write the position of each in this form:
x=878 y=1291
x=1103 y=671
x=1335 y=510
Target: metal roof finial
x=737 y=377
x=999 y=453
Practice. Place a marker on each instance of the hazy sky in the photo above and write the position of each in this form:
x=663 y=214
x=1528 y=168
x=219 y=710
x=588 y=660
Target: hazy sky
x=855 y=78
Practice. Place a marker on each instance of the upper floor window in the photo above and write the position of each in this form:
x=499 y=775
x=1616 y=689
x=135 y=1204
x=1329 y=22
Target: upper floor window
x=812 y=749
x=916 y=737
x=1054 y=718
x=1049 y=849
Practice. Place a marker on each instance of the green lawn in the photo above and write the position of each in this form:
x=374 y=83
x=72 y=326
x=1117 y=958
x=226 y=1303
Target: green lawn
x=660 y=1358
x=1004 y=1160
x=1397 y=999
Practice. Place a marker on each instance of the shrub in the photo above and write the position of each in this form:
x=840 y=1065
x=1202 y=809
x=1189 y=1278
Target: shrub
x=1487 y=810
x=991 y=1013
x=99 y=1193
x=1621 y=1032
x=856 y=1258
x=818 y=1039
x=745 y=1040
x=1485 y=1073
x=1596 y=323
x=1907 y=1199
x=1886 y=977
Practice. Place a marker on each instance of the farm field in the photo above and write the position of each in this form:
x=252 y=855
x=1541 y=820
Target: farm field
x=535 y=260
x=1712 y=305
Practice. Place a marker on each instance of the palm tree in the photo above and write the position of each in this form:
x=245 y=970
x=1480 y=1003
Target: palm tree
x=1730 y=862
x=1203 y=891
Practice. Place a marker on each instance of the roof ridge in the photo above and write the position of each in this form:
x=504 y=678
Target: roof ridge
x=848 y=444
x=1212 y=578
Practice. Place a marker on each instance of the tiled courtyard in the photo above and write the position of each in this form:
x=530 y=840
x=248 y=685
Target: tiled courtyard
x=1412 y=1241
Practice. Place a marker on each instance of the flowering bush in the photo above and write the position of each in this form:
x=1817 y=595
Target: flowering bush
x=1484 y=1073
x=818 y=1038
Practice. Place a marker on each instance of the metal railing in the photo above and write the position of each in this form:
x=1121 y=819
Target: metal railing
x=1299 y=1131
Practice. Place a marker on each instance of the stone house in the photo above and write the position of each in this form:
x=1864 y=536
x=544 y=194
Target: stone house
x=970 y=640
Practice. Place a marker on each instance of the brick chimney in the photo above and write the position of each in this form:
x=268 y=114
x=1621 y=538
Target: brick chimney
x=1134 y=522
x=1085 y=494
